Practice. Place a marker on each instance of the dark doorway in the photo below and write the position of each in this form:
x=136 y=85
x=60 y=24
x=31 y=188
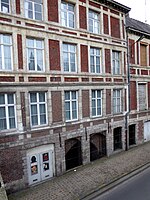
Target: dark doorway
x=73 y=153
x=117 y=138
x=97 y=146
x=132 y=135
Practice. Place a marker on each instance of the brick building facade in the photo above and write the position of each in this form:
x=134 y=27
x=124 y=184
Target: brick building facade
x=63 y=86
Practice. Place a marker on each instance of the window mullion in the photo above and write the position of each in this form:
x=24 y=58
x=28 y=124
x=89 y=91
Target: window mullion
x=7 y=113
x=38 y=108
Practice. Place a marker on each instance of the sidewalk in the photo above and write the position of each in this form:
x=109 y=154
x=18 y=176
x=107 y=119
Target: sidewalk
x=74 y=185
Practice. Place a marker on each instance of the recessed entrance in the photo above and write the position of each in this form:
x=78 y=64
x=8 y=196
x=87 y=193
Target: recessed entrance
x=73 y=153
x=97 y=146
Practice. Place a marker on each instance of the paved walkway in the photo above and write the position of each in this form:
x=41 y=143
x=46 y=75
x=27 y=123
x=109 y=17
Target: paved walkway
x=75 y=184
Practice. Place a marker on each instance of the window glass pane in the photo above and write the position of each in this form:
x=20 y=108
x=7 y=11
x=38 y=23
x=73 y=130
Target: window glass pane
x=2 y=118
x=39 y=44
x=34 y=120
x=10 y=98
x=2 y=112
x=38 y=8
x=42 y=119
x=68 y=115
x=67 y=95
x=73 y=95
x=30 y=42
x=39 y=60
x=3 y=124
x=74 y=115
x=6 y=39
x=31 y=59
x=7 y=57
x=74 y=105
x=42 y=109
x=33 y=109
x=42 y=97
x=67 y=106
x=11 y=111
x=70 y=7
x=2 y=99
x=38 y=16
x=12 y=123
x=93 y=111
x=93 y=94
x=33 y=97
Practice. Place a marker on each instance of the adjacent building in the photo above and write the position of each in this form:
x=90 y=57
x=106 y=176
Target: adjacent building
x=64 y=86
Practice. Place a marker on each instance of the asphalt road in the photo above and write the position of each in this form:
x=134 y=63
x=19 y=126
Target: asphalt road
x=136 y=188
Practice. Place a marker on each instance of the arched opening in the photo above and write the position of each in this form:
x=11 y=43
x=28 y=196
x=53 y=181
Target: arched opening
x=97 y=146
x=73 y=153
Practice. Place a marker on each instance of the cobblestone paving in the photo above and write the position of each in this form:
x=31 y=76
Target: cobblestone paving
x=74 y=184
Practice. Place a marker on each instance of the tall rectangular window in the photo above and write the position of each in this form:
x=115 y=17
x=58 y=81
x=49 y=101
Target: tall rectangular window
x=71 y=105
x=117 y=102
x=94 y=22
x=38 y=108
x=5 y=6
x=96 y=103
x=117 y=138
x=35 y=54
x=116 y=62
x=5 y=52
x=69 y=57
x=67 y=15
x=95 y=60
x=7 y=111
x=143 y=54
x=142 y=97
x=33 y=9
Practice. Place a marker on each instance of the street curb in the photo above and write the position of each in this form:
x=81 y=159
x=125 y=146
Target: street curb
x=116 y=181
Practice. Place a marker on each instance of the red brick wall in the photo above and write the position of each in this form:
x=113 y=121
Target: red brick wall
x=123 y=29
x=23 y=108
x=82 y=17
x=125 y=64
x=125 y=100
x=107 y=61
x=11 y=164
x=52 y=6
x=149 y=55
x=54 y=55
x=133 y=101
x=18 y=7
x=56 y=106
x=20 y=52
x=108 y=101
x=106 y=25
x=85 y=103
x=84 y=58
x=132 y=51
x=115 y=27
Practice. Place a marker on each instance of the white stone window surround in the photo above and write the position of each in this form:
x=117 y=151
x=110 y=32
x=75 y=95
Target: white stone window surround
x=67 y=14
x=7 y=111
x=95 y=60
x=69 y=57
x=94 y=21
x=96 y=103
x=117 y=101
x=6 y=52
x=35 y=54
x=34 y=9
x=38 y=109
x=71 y=105
x=5 y=6
x=116 y=62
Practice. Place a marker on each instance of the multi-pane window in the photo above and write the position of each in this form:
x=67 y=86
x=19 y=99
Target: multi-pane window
x=67 y=15
x=116 y=62
x=5 y=52
x=33 y=9
x=38 y=108
x=117 y=138
x=35 y=54
x=4 y=6
x=7 y=111
x=94 y=22
x=96 y=103
x=117 y=102
x=69 y=57
x=95 y=60
x=71 y=105
x=142 y=97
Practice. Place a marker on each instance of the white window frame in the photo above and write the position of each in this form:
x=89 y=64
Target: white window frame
x=3 y=54
x=65 y=14
x=6 y=105
x=144 y=99
x=94 y=22
x=33 y=3
x=35 y=50
x=70 y=101
x=116 y=62
x=4 y=9
x=93 y=66
x=69 y=53
x=96 y=99
x=37 y=104
x=117 y=101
